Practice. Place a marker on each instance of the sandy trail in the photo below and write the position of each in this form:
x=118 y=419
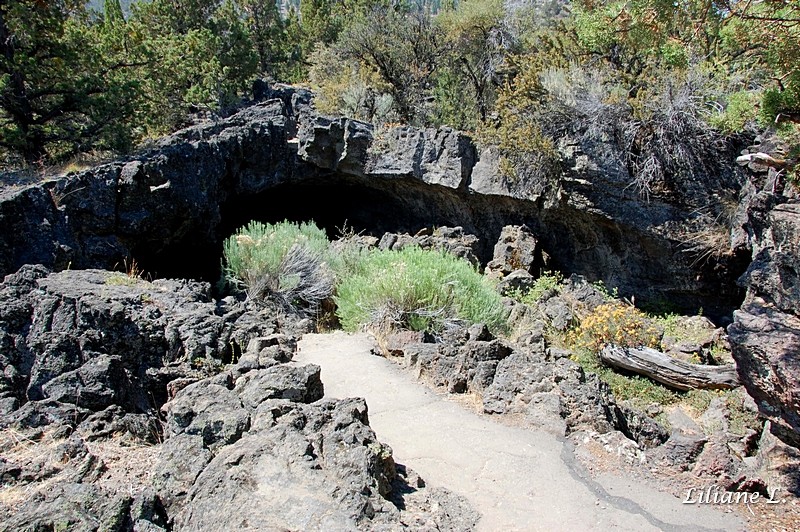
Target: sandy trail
x=518 y=479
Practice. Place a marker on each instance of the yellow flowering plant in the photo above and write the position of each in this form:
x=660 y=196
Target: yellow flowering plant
x=615 y=323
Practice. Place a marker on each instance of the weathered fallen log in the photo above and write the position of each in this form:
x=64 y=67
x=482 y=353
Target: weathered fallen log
x=762 y=158
x=669 y=371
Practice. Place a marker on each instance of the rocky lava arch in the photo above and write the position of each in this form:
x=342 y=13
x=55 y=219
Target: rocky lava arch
x=170 y=208
x=574 y=242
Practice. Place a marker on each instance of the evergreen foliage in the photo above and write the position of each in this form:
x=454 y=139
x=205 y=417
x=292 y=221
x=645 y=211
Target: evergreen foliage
x=78 y=77
x=61 y=87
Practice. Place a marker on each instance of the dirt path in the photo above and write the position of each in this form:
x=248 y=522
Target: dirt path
x=519 y=479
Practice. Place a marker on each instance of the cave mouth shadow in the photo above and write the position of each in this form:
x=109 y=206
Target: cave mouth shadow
x=337 y=203
x=331 y=205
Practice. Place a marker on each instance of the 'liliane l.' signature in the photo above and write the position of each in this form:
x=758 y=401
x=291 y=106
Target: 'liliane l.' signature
x=715 y=495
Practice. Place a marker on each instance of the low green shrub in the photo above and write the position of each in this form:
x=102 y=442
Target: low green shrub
x=609 y=294
x=741 y=109
x=287 y=261
x=682 y=329
x=544 y=283
x=637 y=391
x=417 y=289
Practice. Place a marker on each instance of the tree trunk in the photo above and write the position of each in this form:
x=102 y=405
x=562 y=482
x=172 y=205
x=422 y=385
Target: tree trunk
x=14 y=99
x=671 y=372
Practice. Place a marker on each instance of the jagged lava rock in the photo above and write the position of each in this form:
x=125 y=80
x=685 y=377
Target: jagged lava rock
x=765 y=334
x=93 y=339
x=171 y=206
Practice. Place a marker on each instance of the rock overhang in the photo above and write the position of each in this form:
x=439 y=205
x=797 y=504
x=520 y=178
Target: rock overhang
x=171 y=206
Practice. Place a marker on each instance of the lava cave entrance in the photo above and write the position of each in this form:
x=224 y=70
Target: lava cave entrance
x=575 y=242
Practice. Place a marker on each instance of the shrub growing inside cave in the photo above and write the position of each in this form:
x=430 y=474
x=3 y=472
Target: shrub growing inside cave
x=285 y=260
x=413 y=288
x=417 y=289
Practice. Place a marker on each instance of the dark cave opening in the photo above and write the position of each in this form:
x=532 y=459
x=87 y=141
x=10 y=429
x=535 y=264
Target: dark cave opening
x=575 y=241
x=331 y=205
x=334 y=203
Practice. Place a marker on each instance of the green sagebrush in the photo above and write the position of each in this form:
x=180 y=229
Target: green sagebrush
x=417 y=289
x=287 y=261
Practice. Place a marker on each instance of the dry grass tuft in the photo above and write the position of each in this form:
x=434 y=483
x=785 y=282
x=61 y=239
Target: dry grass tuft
x=128 y=464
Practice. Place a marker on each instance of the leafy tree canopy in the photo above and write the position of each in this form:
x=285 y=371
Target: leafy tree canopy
x=75 y=79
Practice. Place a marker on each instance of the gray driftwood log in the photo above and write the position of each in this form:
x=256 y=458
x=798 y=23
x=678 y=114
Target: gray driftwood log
x=669 y=371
